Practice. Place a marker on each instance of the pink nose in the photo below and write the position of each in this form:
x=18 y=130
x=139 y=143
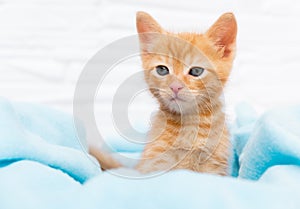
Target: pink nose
x=176 y=87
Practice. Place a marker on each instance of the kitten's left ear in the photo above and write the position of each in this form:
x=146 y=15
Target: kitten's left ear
x=223 y=34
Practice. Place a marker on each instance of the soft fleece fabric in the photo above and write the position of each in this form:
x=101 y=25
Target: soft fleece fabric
x=44 y=165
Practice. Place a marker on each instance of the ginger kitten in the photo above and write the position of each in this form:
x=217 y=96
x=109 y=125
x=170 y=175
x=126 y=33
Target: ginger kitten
x=186 y=73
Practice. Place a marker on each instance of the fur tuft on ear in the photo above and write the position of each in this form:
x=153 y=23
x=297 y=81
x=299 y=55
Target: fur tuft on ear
x=223 y=34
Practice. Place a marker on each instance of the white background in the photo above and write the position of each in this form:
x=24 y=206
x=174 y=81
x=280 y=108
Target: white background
x=44 y=45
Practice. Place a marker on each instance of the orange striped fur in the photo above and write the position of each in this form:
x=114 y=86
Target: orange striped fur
x=189 y=132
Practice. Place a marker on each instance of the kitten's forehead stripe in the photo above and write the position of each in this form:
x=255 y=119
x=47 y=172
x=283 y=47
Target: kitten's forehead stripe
x=187 y=54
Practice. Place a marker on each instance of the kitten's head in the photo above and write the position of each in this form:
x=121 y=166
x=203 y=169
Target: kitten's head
x=186 y=71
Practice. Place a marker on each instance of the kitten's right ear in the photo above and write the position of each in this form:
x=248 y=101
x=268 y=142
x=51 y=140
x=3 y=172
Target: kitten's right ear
x=146 y=24
x=148 y=29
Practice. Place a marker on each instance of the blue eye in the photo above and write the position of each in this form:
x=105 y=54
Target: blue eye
x=162 y=70
x=196 y=71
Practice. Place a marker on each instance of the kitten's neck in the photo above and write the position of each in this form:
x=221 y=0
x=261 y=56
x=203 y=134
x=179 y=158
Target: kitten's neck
x=202 y=112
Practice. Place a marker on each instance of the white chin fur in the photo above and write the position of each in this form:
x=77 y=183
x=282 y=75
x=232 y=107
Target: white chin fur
x=178 y=106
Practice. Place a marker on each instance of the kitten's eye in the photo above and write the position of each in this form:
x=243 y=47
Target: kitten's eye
x=196 y=71
x=162 y=70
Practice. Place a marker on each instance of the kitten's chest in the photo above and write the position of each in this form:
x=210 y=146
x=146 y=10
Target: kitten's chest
x=180 y=137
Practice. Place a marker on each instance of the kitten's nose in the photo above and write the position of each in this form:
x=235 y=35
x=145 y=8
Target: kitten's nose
x=176 y=87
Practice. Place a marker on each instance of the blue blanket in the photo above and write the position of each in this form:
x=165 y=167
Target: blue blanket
x=44 y=165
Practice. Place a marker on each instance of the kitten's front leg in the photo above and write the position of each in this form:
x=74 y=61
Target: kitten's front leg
x=156 y=159
x=152 y=165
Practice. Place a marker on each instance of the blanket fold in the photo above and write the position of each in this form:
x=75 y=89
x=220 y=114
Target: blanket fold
x=274 y=139
x=32 y=132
